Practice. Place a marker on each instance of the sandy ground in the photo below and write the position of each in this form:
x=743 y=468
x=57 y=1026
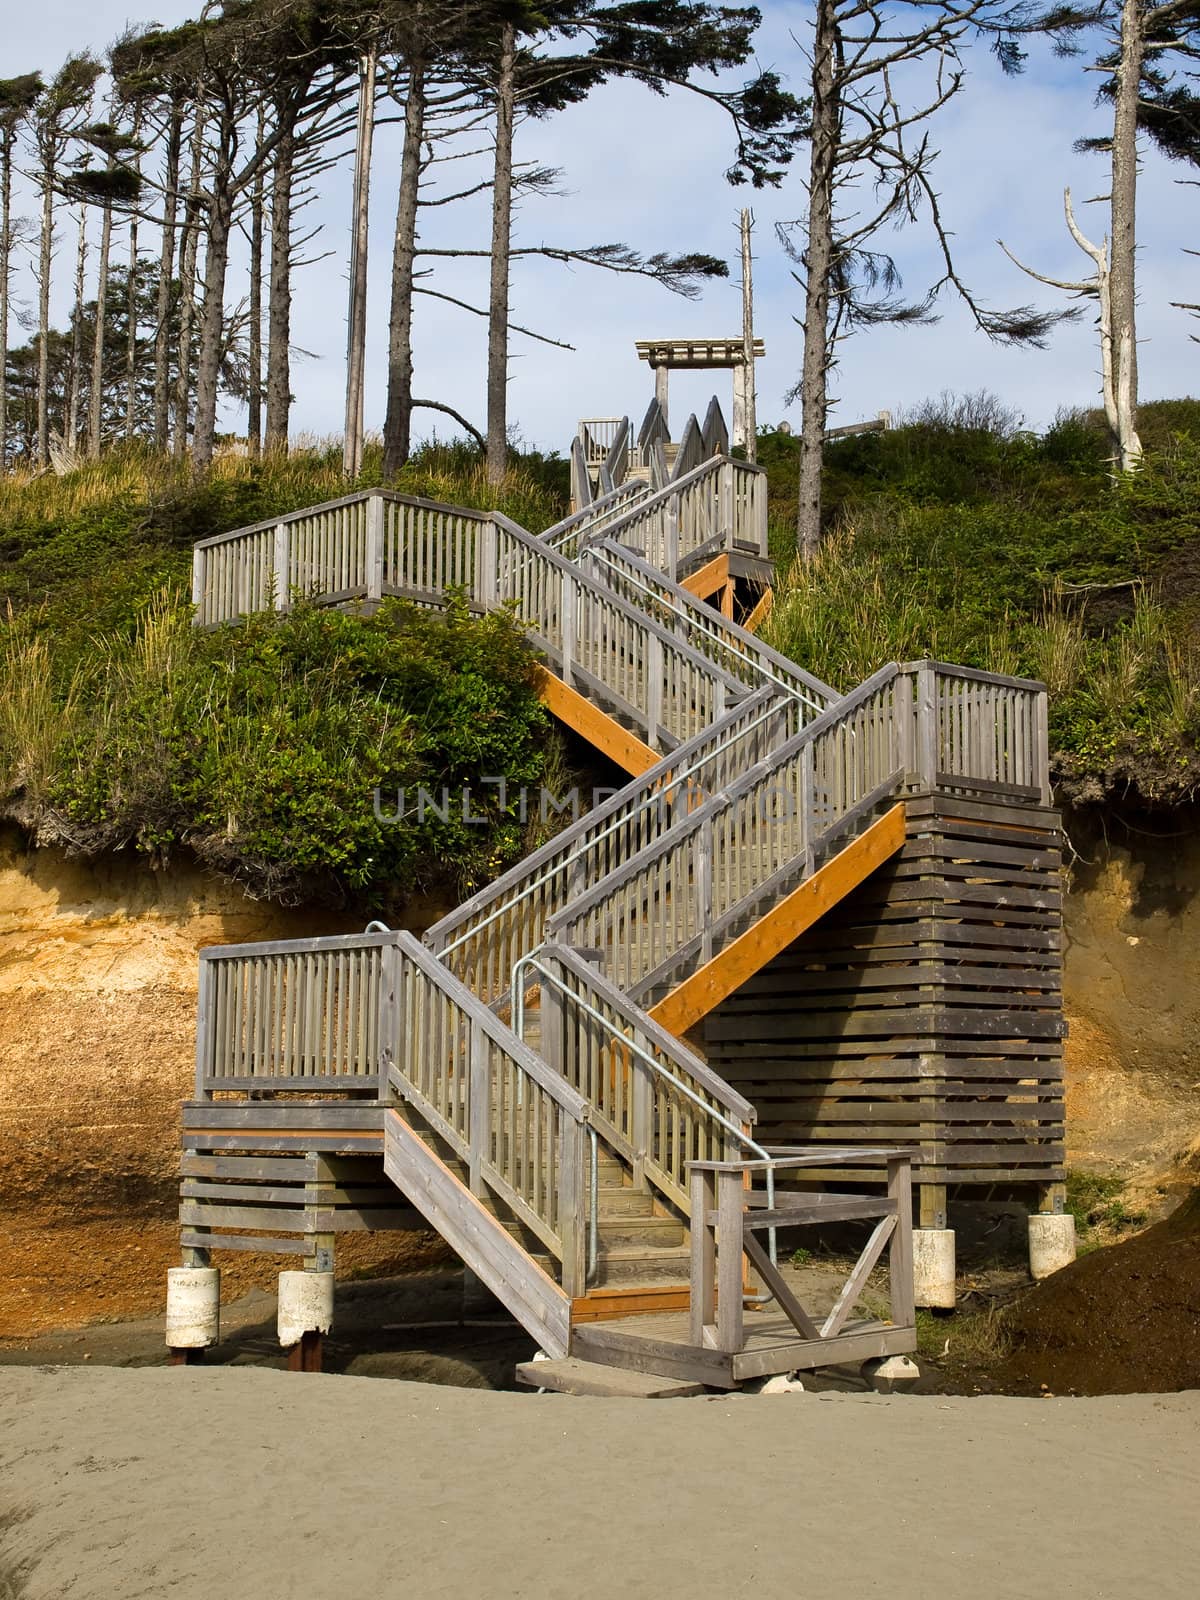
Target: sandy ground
x=272 y=1486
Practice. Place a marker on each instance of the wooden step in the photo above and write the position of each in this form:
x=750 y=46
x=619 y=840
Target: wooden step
x=653 y=1232
x=569 y=1375
x=623 y=1200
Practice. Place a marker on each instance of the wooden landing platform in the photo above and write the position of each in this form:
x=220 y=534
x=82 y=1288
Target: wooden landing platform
x=661 y=1345
x=572 y=1376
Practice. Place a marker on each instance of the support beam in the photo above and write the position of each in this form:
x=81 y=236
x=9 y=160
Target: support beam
x=760 y=612
x=711 y=577
x=717 y=979
x=594 y=725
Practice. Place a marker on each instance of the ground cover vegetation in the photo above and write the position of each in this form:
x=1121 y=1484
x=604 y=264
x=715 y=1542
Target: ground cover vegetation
x=962 y=536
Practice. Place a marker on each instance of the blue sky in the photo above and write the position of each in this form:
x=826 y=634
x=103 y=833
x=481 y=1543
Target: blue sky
x=647 y=171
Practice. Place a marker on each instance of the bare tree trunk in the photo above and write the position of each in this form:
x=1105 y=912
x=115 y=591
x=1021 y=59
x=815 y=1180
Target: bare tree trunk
x=749 y=397
x=131 y=309
x=75 y=383
x=96 y=393
x=254 y=393
x=6 y=171
x=356 y=334
x=818 y=267
x=397 y=427
x=279 y=333
x=45 y=262
x=497 y=374
x=166 y=274
x=1122 y=285
x=212 y=310
x=189 y=251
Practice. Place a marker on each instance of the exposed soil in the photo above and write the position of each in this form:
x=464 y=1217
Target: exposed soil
x=1122 y=1320
x=62 y=1272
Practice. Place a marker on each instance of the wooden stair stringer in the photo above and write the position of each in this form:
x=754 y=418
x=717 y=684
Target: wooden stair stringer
x=600 y=730
x=717 y=979
x=761 y=611
x=485 y=1245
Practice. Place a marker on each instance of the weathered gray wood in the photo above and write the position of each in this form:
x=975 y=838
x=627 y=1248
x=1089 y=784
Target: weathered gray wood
x=573 y=1376
x=729 y=1260
x=774 y=1281
x=536 y=1301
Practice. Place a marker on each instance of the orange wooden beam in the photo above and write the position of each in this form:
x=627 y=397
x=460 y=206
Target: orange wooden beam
x=749 y=953
x=594 y=725
x=761 y=612
x=712 y=576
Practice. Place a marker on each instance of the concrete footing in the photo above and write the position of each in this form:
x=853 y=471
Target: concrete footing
x=193 y=1308
x=305 y=1305
x=933 y=1268
x=891 y=1374
x=1051 y=1242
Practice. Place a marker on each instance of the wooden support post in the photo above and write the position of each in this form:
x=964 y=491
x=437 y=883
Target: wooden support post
x=281 y=566
x=1041 y=745
x=704 y=1258
x=318 y=1197
x=568 y=623
x=306 y=1356
x=905 y=725
x=652 y=669
x=480 y=1133
x=1052 y=1199
x=927 y=727
x=900 y=1257
x=375 y=541
x=662 y=381
x=487 y=573
x=730 y=1200
x=199 y=577
x=574 y=1206
x=641 y=1115
x=933 y=1205
x=704 y=888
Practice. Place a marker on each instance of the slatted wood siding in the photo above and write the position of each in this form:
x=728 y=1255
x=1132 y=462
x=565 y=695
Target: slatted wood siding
x=924 y=1008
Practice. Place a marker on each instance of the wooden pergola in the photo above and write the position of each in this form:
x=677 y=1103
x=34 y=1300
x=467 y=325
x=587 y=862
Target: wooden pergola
x=702 y=355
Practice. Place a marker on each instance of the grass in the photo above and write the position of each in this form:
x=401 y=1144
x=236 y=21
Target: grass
x=1097 y=1203
x=258 y=747
x=959 y=537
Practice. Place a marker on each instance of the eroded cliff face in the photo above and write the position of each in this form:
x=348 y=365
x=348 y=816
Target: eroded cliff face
x=1132 y=995
x=97 y=1016
x=98 y=989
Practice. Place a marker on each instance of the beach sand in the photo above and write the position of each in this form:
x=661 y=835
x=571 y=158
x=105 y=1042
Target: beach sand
x=247 y=1484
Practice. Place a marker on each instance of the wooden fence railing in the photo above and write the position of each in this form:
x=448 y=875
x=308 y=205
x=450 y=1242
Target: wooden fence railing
x=718 y=505
x=302 y=1015
x=482 y=939
x=673 y=903
x=656 y=1103
x=737 y=651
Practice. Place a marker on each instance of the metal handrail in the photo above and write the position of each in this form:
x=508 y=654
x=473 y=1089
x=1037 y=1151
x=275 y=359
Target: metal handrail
x=531 y=963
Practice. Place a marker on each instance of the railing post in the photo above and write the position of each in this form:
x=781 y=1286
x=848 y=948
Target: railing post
x=730 y=1199
x=480 y=1109
x=808 y=801
x=205 y=1024
x=759 y=492
x=704 y=888
x=390 y=1013
x=374 y=552
x=900 y=1258
x=671 y=537
x=927 y=725
x=1041 y=746
x=199 y=575
x=282 y=566
x=641 y=1115
x=487 y=563
x=568 y=624
x=906 y=730
x=727 y=503
x=574 y=1201
x=653 y=670
x=704 y=1257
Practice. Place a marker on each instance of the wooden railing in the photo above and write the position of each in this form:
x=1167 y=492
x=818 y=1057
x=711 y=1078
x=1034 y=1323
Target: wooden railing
x=656 y=1103
x=738 y=651
x=606 y=646
x=691 y=451
x=653 y=435
x=482 y=939
x=301 y=1015
x=673 y=903
x=615 y=466
x=519 y=1126
x=713 y=432
x=719 y=505
x=564 y=536
x=732 y=1200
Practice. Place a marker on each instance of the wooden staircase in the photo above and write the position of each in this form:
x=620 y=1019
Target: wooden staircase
x=523 y=1071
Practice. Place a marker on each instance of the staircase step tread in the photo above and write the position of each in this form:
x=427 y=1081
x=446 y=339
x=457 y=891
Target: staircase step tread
x=570 y=1375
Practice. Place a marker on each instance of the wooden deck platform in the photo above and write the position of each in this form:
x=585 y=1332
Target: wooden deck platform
x=662 y=1345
